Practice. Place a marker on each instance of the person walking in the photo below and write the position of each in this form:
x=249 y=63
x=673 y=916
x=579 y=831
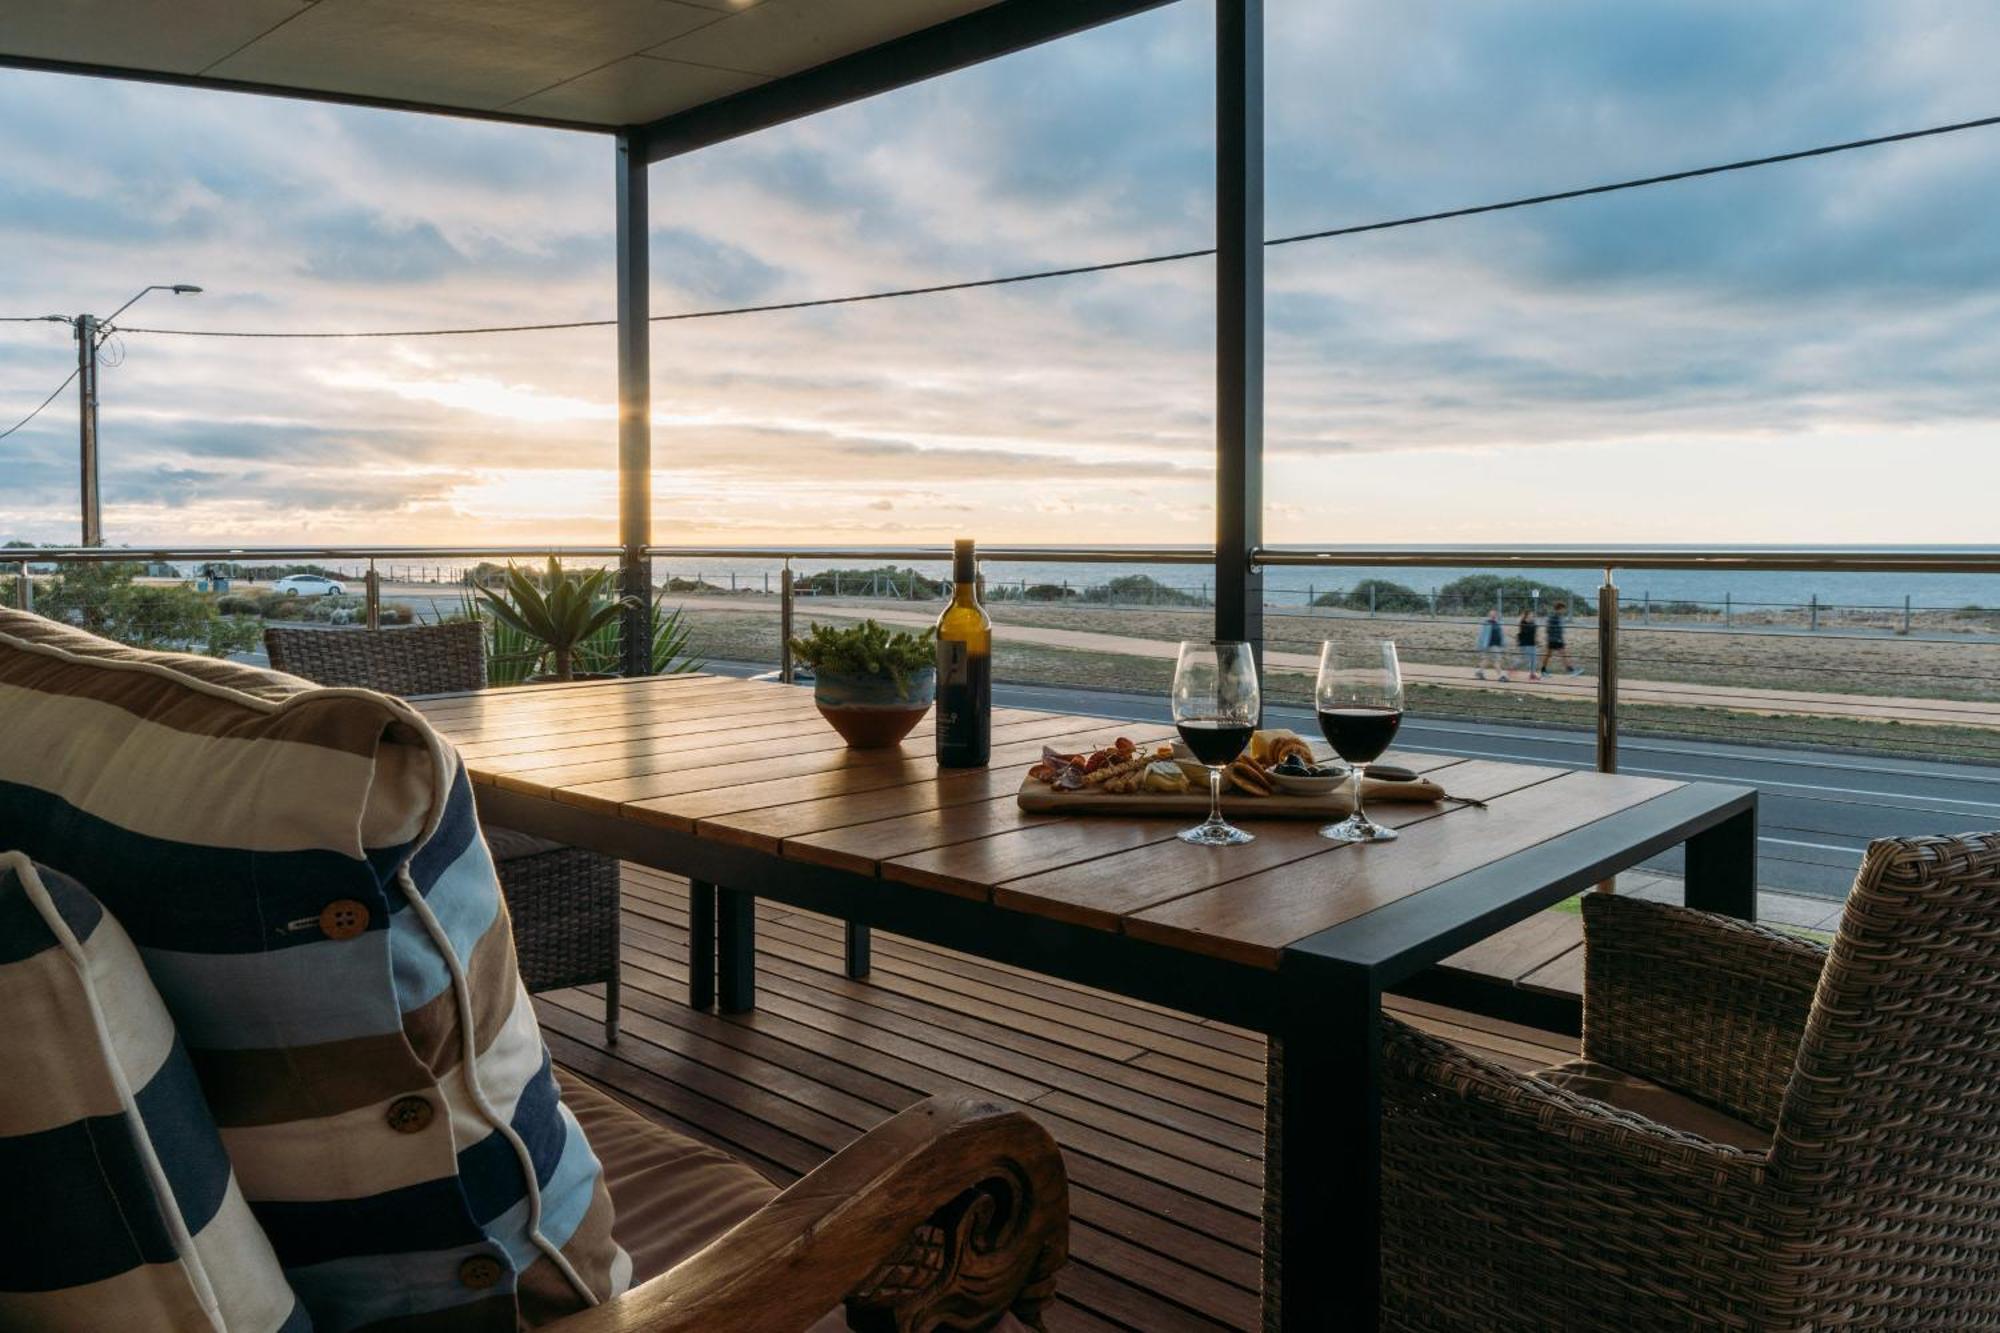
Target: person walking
x=1525 y=631
x=1492 y=647
x=1558 y=643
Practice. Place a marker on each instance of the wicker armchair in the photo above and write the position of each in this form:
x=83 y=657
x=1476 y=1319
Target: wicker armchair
x=1819 y=1144
x=563 y=900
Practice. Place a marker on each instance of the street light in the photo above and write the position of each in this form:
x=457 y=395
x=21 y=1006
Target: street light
x=89 y=331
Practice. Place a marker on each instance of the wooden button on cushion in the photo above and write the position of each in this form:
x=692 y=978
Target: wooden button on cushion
x=411 y=1115
x=479 y=1272
x=343 y=919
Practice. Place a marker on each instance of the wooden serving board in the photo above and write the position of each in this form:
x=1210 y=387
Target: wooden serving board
x=1039 y=797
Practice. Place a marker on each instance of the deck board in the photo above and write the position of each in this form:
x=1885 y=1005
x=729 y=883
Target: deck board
x=1159 y=1114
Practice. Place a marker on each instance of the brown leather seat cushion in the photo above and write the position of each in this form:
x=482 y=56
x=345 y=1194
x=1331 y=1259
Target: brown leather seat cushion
x=670 y=1195
x=1661 y=1105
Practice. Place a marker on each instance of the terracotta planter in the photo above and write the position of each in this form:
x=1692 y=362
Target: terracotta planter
x=869 y=712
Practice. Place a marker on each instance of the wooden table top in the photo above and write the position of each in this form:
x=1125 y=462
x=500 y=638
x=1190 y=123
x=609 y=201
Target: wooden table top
x=751 y=763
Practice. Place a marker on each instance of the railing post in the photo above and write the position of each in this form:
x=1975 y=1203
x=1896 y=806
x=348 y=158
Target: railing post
x=1906 y=613
x=785 y=672
x=24 y=588
x=1607 y=676
x=1607 y=690
x=1814 y=623
x=1728 y=611
x=373 y=582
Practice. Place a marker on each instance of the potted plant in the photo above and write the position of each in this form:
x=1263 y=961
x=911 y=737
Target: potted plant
x=558 y=621
x=873 y=684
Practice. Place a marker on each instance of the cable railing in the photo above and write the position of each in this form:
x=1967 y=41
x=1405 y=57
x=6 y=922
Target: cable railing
x=1650 y=659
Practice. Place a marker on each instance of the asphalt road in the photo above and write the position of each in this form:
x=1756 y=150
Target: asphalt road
x=1817 y=809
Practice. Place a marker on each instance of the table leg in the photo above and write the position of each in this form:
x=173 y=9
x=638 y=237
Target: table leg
x=701 y=944
x=857 y=950
x=1722 y=866
x=736 y=949
x=1322 y=1156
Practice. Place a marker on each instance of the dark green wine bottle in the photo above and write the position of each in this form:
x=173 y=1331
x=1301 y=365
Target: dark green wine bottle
x=964 y=669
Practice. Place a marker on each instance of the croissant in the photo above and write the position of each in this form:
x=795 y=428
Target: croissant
x=1270 y=748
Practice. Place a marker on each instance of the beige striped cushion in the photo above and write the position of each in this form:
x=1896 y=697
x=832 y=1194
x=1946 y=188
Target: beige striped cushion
x=304 y=875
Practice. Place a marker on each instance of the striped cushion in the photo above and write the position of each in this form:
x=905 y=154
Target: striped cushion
x=303 y=873
x=120 y=1211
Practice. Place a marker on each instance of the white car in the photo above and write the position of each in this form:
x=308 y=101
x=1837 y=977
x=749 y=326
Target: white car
x=308 y=585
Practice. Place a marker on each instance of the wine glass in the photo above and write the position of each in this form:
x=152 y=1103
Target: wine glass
x=1359 y=697
x=1216 y=706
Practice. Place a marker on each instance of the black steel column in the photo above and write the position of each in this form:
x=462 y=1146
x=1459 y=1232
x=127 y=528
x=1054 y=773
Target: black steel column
x=1239 y=319
x=635 y=407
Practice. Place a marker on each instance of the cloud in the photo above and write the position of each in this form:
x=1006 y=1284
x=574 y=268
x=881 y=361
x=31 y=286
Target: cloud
x=1821 y=312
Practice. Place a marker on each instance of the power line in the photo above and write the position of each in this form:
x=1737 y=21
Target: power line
x=1077 y=270
x=44 y=403
x=1641 y=181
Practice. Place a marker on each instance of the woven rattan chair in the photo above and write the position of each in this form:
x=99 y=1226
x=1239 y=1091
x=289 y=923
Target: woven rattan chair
x=1860 y=1086
x=563 y=900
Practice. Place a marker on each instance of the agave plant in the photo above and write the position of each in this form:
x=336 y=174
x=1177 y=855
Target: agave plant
x=557 y=621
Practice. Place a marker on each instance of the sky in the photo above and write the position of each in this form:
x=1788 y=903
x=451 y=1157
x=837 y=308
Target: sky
x=1803 y=353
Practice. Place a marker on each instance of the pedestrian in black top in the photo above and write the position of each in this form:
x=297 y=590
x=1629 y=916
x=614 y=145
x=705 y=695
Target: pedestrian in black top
x=1524 y=641
x=1558 y=645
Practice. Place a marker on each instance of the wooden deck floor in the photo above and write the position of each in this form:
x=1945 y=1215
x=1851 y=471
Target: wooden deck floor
x=1159 y=1115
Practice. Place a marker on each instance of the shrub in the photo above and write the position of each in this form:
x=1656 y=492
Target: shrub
x=904 y=582
x=1047 y=592
x=106 y=600
x=1476 y=594
x=1385 y=595
x=1140 y=588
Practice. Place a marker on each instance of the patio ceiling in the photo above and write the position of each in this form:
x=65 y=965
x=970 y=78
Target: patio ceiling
x=600 y=65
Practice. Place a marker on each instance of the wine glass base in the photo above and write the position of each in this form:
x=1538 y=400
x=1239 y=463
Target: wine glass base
x=1356 y=828
x=1216 y=835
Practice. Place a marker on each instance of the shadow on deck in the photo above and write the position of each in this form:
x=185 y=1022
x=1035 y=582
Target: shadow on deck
x=1160 y=1116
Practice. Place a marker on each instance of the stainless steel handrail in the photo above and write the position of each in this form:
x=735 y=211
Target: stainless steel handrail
x=1081 y=555
x=103 y=554
x=1832 y=559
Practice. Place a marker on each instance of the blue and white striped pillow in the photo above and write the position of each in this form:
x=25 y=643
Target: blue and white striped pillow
x=121 y=1209
x=303 y=873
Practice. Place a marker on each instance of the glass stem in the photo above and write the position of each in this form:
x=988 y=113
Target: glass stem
x=1214 y=795
x=1359 y=816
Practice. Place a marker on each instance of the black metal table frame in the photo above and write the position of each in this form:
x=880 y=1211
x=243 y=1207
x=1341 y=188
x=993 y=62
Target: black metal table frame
x=1320 y=1008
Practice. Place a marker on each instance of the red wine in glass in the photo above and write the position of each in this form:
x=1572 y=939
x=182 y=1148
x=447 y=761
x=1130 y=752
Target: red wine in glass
x=1216 y=741
x=1358 y=735
x=1216 y=704
x=1359 y=700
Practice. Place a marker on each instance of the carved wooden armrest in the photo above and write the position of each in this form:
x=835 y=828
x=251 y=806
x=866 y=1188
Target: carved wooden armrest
x=946 y=1217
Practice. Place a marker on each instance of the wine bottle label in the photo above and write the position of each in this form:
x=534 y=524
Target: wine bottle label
x=964 y=704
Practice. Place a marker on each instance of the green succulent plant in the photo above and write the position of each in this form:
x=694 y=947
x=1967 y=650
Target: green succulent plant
x=867 y=649
x=559 y=614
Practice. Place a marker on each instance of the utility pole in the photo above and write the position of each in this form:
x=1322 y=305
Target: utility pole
x=85 y=329
x=90 y=332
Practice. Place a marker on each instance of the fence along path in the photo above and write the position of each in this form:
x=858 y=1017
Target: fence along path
x=1738 y=698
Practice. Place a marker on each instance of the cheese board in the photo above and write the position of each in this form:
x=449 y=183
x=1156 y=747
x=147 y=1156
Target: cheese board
x=1039 y=797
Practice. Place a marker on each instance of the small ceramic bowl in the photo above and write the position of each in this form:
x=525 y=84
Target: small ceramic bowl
x=1319 y=786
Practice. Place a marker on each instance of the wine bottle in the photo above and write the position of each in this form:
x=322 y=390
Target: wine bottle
x=964 y=670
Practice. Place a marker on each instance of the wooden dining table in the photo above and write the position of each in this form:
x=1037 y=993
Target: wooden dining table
x=742 y=787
